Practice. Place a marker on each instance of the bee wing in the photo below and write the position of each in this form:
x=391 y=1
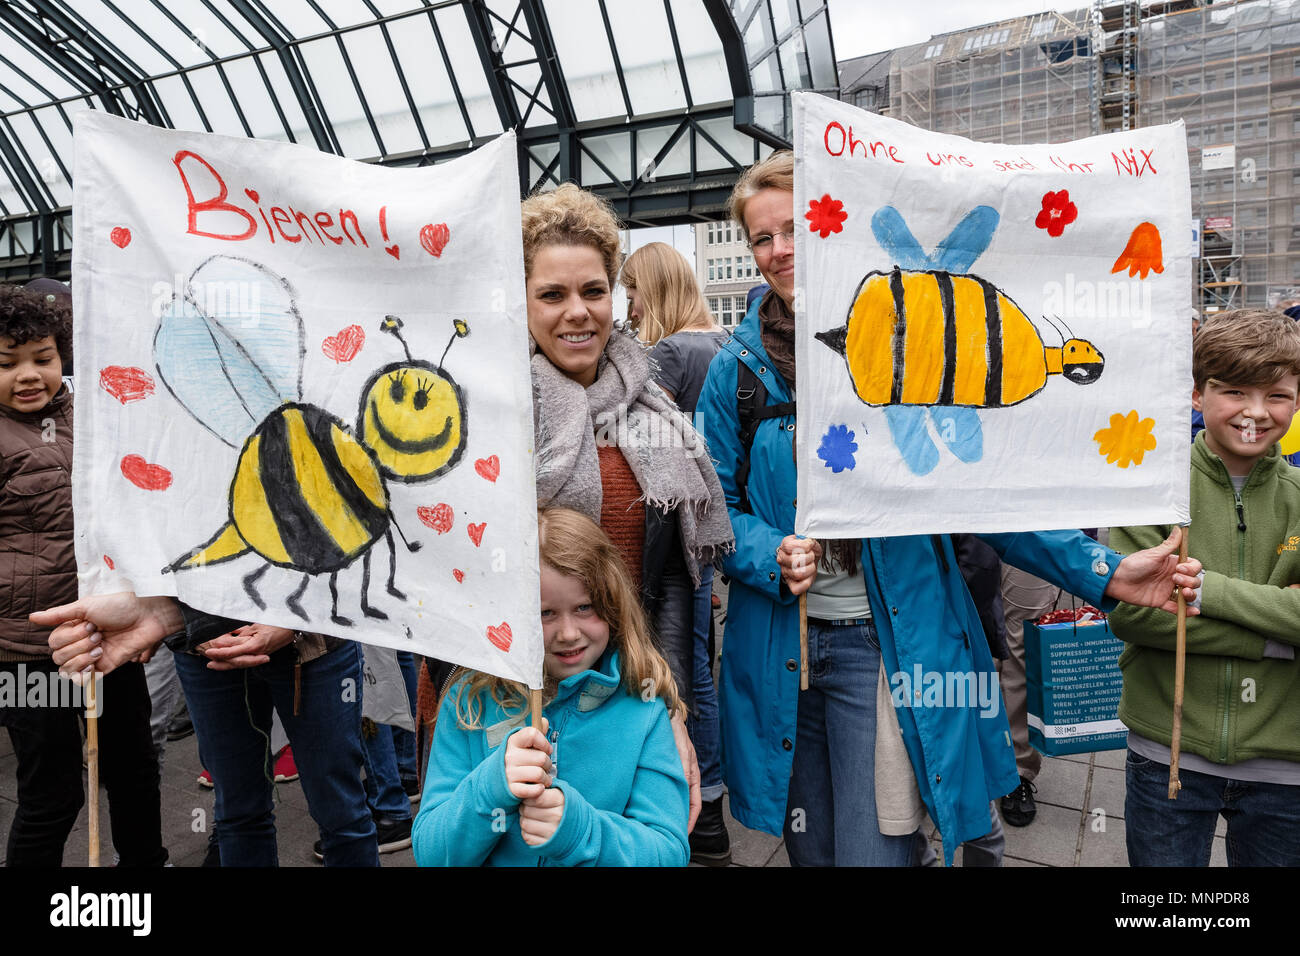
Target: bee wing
x=967 y=241
x=895 y=238
x=230 y=348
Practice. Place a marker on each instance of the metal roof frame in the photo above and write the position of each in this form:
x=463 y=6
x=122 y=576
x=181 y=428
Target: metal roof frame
x=248 y=69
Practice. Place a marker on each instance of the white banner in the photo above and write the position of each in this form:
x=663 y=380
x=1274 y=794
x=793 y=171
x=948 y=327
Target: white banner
x=305 y=397
x=989 y=337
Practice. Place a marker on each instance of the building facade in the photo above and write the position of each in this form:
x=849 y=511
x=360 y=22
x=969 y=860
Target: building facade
x=725 y=268
x=1230 y=71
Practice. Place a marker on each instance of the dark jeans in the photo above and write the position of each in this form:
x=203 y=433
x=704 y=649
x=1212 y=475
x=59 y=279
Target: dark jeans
x=231 y=711
x=831 y=808
x=1263 y=818
x=47 y=743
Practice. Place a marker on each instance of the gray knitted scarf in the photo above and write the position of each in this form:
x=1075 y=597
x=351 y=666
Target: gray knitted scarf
x=624 y=408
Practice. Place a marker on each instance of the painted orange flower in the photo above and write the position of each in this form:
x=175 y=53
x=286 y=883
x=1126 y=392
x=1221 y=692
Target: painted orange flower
x=1143 y=252
x=825 y=215
x=1126 y=440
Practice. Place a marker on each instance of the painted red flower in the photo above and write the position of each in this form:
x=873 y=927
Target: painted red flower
x=825 y=215
x=1057 y=213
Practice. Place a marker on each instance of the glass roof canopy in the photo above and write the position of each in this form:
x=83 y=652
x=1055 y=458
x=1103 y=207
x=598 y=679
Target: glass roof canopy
x=656 y=104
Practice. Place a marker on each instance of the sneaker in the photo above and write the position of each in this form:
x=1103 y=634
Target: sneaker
x=1018 y=807
x=392 y=834
x=205 y=780
x=180 y=727
x=411 y=787
x=286 y=771
x=710 y=845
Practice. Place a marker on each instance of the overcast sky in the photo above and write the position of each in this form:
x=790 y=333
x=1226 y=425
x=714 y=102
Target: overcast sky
x=869 y=26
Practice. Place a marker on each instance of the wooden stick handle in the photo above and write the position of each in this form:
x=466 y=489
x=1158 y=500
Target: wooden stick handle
x=535 y=707
x=803 y=641
x=1180 y=667
x=92 y=766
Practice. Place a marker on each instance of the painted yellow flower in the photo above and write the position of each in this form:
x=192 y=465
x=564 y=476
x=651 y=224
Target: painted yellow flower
x=1126 y=440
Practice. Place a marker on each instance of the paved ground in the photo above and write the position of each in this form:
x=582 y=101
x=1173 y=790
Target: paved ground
x=1080 y=818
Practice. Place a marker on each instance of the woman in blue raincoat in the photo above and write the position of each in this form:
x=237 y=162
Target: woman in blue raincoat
x=804 y=764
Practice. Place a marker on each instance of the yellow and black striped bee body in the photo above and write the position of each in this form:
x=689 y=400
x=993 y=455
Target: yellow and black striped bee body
x=334 y=508
x=310 y=495
x=934 y=338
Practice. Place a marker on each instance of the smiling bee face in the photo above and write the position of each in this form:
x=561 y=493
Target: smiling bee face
x=413 y=419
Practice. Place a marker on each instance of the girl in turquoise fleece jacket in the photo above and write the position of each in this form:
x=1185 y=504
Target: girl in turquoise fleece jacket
x=601 y=784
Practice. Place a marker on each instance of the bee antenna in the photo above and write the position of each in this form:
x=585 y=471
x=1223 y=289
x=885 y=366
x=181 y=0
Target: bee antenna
x=393 y=326
x=461 y=330
x=1067 y=328
x=1049 y=321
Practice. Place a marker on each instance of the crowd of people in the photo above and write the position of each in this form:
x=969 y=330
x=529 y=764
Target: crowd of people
x=637 y=744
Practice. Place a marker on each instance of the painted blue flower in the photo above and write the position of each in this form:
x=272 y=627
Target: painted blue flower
x=837 y=448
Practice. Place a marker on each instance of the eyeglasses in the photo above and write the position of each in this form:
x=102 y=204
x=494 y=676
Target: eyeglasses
x=764 y=244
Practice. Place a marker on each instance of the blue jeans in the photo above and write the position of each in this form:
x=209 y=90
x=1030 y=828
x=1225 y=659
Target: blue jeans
x=384 y=753
x=702 y=725
x=830 y=815
x=404 y=740
x=231 y=711
x=1263 y=818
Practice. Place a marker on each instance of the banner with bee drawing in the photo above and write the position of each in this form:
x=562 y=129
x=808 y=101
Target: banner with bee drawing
x=305 y=392
x=988 y=337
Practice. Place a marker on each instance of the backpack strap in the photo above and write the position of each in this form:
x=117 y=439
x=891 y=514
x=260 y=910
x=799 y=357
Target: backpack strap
x=752 y=410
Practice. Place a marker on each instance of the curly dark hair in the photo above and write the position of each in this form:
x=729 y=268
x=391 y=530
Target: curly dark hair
x=30 y=316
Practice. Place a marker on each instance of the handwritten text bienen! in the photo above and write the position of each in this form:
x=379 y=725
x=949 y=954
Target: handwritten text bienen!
x=840 y=141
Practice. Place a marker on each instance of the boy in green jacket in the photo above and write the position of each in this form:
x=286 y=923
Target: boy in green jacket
x=1240 y=751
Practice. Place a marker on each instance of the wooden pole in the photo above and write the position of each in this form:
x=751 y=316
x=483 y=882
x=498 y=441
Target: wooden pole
x=1180 y=667
x=535 y=707
x=92 y=765
x=803 y=641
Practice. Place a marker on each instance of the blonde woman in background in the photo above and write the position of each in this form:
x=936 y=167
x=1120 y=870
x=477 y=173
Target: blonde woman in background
x=668 y=312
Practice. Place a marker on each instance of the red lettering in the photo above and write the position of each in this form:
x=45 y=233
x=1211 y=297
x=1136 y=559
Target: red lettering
x=856 y=142
x=281 y=220
x=324 y=227
x=269 y=231
x=344 y=216
x=300 y=218
x=826 y=138
x=893 y=154
x=216 y=204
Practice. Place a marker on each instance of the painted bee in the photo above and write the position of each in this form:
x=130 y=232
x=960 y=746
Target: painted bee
x=306 y=493
x=934 y=338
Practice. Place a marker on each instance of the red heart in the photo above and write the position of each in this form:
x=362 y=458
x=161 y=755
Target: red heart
x=121 y=236
x=344 y=346
x=252 y=194
x=458 y=574
x=435 y=238
x=392 y=251
x=438 y=517
x=126 y=383
x=109 y=562
x=144 y=475
x=476 y=532
x=500 y=636
x=488 y=467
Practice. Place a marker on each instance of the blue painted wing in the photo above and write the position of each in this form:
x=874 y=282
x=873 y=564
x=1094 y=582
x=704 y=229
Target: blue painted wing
x=958 y=250
x=967 y=241
x=230 y=349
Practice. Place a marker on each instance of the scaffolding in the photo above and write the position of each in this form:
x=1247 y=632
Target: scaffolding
x=1231 y=72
